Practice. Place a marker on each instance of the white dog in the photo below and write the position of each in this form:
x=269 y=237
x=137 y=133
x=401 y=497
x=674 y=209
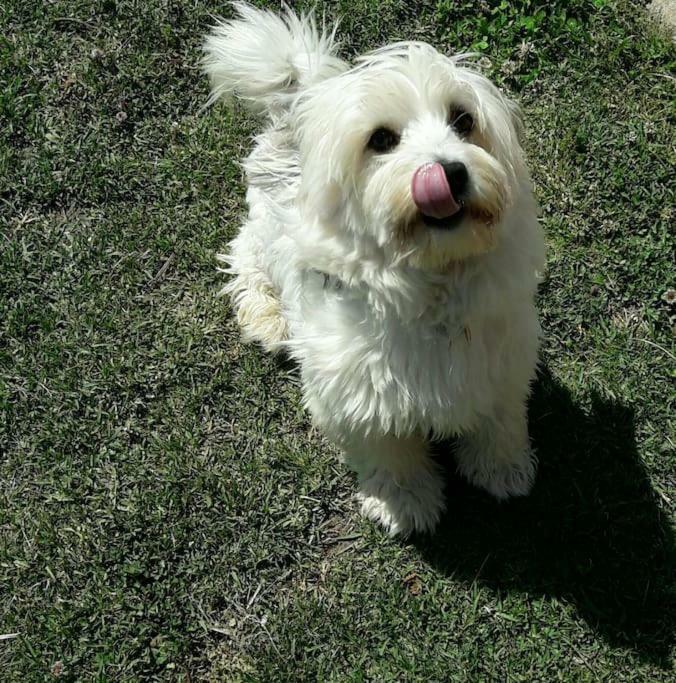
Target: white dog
x=393 y=249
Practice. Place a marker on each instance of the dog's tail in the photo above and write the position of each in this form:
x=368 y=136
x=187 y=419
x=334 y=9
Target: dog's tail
x=265 y=58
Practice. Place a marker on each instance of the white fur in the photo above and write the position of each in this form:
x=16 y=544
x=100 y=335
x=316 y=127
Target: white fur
x=403 y=332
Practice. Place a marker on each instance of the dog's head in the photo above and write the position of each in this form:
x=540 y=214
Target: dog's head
x=414 y=154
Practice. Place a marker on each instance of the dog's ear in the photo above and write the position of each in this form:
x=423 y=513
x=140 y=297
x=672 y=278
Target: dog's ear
x=516 y=116
x=320 y=201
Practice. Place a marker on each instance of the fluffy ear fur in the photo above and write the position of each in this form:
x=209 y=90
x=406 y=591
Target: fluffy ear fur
x=265 y=59
x=517 y=118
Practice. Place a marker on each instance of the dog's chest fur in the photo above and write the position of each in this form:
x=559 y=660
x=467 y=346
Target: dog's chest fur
x=427 y=367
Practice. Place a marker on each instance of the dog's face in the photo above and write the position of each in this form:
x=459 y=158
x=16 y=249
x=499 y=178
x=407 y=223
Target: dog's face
x=415 y=155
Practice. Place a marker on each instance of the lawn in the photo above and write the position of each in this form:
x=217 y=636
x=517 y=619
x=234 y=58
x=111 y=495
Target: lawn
x=167 y=511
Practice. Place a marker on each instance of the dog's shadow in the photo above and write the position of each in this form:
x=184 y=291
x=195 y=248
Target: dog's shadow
x=592 y=532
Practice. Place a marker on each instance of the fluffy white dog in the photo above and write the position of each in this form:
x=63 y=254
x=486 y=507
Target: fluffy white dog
x=392 y=248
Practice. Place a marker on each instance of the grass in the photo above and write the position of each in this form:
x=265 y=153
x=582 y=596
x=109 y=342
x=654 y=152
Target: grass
x=166 y=511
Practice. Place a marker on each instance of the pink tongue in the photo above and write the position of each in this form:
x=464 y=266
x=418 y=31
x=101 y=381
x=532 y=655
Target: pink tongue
x=431 y=192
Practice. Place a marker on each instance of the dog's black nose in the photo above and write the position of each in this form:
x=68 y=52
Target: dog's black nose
x=458 y=178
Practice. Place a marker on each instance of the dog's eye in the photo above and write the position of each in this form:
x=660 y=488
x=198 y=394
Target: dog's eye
x=383 y=140
x=461 y=121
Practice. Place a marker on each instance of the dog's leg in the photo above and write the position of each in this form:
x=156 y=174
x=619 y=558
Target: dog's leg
x=259 y=311
x=400 y=485
x=255 y=300
x=497 y=456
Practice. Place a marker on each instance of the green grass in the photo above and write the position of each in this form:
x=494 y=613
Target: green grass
x=166 y=511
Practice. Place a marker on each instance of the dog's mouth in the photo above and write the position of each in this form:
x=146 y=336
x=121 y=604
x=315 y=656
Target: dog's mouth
x=440 y=205
x=445 y=223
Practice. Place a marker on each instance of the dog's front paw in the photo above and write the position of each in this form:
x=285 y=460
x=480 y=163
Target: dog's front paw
x=403 y=508
x=501 y=478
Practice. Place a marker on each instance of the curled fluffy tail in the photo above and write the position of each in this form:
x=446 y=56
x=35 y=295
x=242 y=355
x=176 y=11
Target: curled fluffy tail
x=265 y=58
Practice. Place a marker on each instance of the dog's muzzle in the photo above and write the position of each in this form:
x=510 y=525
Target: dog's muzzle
x=438 y=190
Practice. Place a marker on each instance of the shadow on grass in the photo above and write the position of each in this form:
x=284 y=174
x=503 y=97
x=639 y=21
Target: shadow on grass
x=591 y=532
